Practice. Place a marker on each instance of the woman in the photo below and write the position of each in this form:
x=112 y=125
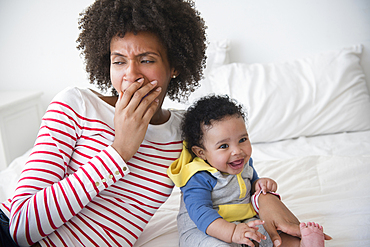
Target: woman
x=94 y=181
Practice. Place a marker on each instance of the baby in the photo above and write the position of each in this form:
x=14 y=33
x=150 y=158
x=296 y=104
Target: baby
x=219 y=185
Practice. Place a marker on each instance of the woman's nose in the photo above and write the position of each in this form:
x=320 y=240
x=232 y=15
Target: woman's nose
x=132 y=72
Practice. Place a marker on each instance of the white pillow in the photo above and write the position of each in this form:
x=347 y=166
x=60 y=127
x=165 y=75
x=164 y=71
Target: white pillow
x=322 y=94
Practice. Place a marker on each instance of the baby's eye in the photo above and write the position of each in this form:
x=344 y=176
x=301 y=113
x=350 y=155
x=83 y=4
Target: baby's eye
x=243 y=140
x=223 y=146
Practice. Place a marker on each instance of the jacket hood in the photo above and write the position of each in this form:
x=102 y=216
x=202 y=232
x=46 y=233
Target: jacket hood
x=182 y=169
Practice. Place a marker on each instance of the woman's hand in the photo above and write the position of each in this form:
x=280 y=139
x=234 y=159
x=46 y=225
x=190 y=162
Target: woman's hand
x=134 y=109
x=277 y=217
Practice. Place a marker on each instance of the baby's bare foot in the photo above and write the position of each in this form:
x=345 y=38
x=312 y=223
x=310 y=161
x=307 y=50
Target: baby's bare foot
x=312 y=235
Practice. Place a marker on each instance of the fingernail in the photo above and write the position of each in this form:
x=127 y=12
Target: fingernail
x=158 y=89
x=140 y=80
x=153 y=82
x=277 y=243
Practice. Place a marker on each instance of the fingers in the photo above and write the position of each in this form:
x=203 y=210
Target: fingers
x=138 y=94
x=274 y=186
x=327 y=237
x=135 y=107
x=255 y=223
x=271 y=230
x=126 y=95
x=271 y=186
x=258 y=186
x=255 y=235
x=263 y=187
x=291 y=229
x=248 y=242
x=245 y=233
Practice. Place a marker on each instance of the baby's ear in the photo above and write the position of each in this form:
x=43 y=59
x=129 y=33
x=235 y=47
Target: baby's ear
x=198 y=151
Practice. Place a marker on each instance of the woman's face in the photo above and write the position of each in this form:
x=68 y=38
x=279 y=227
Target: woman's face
x=139 y=56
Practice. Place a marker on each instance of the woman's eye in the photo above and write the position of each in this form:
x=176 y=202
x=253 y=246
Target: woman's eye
x=118 y=63
x=224 y=146
x=147 y=61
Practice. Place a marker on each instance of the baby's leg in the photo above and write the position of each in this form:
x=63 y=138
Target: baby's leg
x=196 y=238
x=312 y=235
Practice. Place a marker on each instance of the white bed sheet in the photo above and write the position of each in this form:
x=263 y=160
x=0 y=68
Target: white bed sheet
x=323 y=179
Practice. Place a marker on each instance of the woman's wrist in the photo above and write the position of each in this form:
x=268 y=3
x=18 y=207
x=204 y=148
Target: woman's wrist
x=124 y=155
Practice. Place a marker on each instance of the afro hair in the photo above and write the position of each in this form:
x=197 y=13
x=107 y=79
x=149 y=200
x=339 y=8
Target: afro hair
x=176 y=22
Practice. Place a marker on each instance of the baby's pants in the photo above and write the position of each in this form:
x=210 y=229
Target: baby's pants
x=196 y=238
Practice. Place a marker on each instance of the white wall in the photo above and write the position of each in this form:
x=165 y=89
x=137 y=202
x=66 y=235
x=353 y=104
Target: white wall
x=38 y=48
x=38 y=51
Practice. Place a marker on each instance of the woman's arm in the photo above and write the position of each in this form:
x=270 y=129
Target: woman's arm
x=50 y=191
x=277 y=217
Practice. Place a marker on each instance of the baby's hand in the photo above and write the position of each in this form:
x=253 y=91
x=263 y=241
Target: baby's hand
x=245 y=231
x=266 y=185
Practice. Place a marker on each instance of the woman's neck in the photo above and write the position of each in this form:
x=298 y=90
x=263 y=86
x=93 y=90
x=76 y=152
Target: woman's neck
x=160 y=117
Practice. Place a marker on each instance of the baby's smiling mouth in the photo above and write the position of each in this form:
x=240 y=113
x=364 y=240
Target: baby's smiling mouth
x=237 y=163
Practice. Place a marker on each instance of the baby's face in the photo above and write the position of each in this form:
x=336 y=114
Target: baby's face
x=226 y=145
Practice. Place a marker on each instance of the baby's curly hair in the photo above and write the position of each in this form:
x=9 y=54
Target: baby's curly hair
x=203 y=112
x=176 y=22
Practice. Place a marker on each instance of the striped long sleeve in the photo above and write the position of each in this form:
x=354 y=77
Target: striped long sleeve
x=75 y=190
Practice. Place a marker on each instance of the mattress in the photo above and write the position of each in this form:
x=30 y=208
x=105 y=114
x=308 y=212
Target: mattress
x=322 y=178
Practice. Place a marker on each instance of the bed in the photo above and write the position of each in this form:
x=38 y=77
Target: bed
x=309 y=123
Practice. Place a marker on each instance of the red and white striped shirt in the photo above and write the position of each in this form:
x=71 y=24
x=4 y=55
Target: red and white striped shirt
x=75 y=190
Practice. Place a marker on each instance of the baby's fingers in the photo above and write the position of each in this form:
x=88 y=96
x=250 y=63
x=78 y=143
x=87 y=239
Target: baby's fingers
x=272 y=186
x=248 y=242
x=255 y=235
x=255 y=223
x=264 y=188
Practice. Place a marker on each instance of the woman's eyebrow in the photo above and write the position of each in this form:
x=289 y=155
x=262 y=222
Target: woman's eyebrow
x=139 y=55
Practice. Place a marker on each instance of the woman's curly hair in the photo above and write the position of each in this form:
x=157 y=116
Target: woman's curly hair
x=203 y=112
x=176 y=22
